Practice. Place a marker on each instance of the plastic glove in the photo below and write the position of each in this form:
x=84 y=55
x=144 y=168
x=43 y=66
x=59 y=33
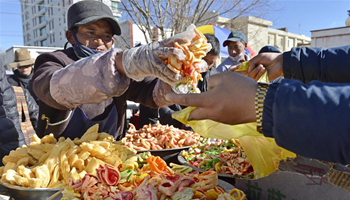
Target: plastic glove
x=146 y=60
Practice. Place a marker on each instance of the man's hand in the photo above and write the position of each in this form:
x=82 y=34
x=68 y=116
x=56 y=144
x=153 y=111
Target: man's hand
x=272 y=62
x=230 y=99
x=255 y=74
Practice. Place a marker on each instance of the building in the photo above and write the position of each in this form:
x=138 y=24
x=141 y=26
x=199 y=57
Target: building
x=257 y=30
x=44 y=21
x=259 y=33
x=332 y=37
x=132 y=35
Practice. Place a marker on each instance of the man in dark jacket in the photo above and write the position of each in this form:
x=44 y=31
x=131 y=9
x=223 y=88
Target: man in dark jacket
x=90 y=82
x=11 y=135
x=308 y=115
x=23 y=73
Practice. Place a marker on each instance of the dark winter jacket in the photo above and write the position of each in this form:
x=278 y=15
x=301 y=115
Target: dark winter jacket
x=311 y=115
x=11 y=135
x=18 y=79
x=48 y=63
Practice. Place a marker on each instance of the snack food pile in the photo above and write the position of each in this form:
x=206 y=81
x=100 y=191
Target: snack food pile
x=223 y=156
x=152 y=179
x=48 y=163
x=194 y=51
x=158 y=136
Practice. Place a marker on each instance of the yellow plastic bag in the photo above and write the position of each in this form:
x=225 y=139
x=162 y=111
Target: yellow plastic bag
x=244 y=66
x=263 y=153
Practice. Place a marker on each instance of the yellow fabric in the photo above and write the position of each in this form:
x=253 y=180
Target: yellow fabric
x=206 y=29
x=263 y=153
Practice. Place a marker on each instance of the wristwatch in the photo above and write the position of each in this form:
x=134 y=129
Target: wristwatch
x=259 y=103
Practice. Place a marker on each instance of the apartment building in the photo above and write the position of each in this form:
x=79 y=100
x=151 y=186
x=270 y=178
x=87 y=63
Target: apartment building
x=44 y=21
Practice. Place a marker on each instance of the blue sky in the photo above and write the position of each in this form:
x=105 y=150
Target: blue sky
x=310 y=14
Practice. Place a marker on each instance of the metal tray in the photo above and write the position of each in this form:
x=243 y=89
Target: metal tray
x=168 y=155
x=226 y=177
x=23 y=193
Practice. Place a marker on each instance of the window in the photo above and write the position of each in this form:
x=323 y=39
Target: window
x=28 y=37
x=53 y=37
x=42 y=31
x=282 y=42
x=27 y=26
x=27 y=15
x=25 y=4
x=114 y=6
x=41 y=19
x=41 y=6
x=290 y=42
x=43 y=43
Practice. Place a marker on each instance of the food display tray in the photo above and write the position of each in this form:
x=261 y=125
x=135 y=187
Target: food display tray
x=168 y=155
x=226 y=177
x=24 y=193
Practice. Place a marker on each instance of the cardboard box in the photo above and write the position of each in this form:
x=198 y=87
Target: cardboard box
x=300 y=179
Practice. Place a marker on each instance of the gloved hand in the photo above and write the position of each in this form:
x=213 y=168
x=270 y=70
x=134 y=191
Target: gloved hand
x=146 y=60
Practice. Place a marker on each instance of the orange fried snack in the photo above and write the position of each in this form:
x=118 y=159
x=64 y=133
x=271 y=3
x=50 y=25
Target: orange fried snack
x=194 y=52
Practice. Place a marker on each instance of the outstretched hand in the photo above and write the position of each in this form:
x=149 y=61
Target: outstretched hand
x=230 y=99
x=148 y=60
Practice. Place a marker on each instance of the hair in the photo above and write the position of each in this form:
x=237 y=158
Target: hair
x=215 y=44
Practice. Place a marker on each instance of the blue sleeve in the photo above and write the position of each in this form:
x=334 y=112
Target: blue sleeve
x=312 y=120
x=326 y=65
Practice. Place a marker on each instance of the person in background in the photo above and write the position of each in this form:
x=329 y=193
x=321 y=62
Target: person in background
x=11 y=135
x=163 y=115
x=28 y=109
x=307 y=112
x=90 y=82
x=236 y=43
x=23 y=69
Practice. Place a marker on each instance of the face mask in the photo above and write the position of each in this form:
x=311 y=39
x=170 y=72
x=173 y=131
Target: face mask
x=238 y=58
x=80 y=50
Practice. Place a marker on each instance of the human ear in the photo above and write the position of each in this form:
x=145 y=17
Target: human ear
x=69 y=37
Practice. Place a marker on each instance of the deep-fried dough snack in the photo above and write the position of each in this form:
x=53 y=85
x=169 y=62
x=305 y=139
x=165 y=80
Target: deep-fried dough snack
x=194 y=51
x=50 y=163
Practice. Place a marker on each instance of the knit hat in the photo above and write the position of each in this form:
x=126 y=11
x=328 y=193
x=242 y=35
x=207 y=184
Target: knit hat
x=85 y=12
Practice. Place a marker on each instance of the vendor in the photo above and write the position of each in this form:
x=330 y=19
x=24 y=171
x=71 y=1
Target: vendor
x=90 y=82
